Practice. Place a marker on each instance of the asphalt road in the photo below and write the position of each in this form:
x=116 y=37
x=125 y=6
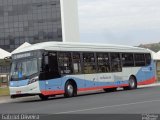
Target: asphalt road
x=142 y=100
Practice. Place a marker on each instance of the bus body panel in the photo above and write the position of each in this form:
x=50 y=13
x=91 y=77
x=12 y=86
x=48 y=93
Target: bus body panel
x=144 y=75
x=102 y=80
x=25 y=88
x=19 y=83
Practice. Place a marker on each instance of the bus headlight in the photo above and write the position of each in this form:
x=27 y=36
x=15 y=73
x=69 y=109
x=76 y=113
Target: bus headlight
x=33 y=80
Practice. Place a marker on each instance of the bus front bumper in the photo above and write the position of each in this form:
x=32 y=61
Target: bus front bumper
x=27 y=90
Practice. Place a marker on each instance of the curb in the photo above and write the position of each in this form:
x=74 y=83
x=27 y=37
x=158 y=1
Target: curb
x=4 y=99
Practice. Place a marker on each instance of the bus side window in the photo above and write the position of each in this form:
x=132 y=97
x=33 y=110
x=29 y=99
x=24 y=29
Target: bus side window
x=127 y=59
x=103 y=62
x=89 y=63
x=139 y=59
x=115 y=62
x=76 y=63
x=65 y=63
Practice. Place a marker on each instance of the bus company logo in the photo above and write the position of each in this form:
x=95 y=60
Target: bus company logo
x=20 y=117
x=150 y=116
x=105 y=77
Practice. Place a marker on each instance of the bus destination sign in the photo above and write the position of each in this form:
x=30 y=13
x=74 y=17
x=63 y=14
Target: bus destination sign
x=23 y=55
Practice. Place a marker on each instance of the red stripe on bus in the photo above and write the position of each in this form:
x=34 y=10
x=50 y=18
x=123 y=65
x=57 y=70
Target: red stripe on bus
x=101 y=87
x=149 y=81
x=52 y=92
x=58 y=92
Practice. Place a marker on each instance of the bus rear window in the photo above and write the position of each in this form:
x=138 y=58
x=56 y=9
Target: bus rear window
x=139 y=59
x=148 y=59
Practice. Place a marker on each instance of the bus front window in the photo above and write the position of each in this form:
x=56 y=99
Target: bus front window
x=23 y=69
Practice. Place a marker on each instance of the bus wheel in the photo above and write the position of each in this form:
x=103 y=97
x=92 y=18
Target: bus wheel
x=42 y=97
x=132 y=84
x=110 y=89
x=70 y=89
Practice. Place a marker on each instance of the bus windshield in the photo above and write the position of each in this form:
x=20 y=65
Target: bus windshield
x=23 y=69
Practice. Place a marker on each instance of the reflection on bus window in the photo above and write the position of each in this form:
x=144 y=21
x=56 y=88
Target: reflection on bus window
x=115 y=62
x=76 y=63
x=89 y=63
x=24 y=69
x=127 y=59
x=65 y=63
x=148 y=59
x=103 y=62
x=139 y=60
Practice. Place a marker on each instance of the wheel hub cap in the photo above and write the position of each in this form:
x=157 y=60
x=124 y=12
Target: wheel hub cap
x=70 y=89
x=132 y=83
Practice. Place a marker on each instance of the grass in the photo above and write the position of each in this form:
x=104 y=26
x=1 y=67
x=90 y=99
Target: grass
x=4 y=91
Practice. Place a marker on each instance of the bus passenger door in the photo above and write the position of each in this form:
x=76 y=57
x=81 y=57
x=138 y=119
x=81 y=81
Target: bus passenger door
x=53 y=79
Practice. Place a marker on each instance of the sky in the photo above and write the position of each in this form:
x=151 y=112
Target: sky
x=126 y=22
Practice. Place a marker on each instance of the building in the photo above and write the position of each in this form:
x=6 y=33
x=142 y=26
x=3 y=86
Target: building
x=4 y=64
x=36 y=21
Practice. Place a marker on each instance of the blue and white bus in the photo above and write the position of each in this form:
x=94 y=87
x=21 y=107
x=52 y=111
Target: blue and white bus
x=52 y=68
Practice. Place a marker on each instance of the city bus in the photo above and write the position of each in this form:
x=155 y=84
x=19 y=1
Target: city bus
x=52 y=68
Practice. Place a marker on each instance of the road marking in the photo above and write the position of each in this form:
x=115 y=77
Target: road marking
x=120 y=105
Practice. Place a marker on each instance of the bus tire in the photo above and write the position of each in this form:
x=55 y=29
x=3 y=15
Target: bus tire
x=110 y=89
x=132 y=83
x=43 y=97
x=70 y=89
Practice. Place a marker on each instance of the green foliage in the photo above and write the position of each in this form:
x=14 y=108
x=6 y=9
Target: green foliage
x=4 y=91
x=155 y=47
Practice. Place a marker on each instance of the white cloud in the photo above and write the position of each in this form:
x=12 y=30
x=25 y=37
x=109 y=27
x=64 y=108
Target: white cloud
x=116 y=19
